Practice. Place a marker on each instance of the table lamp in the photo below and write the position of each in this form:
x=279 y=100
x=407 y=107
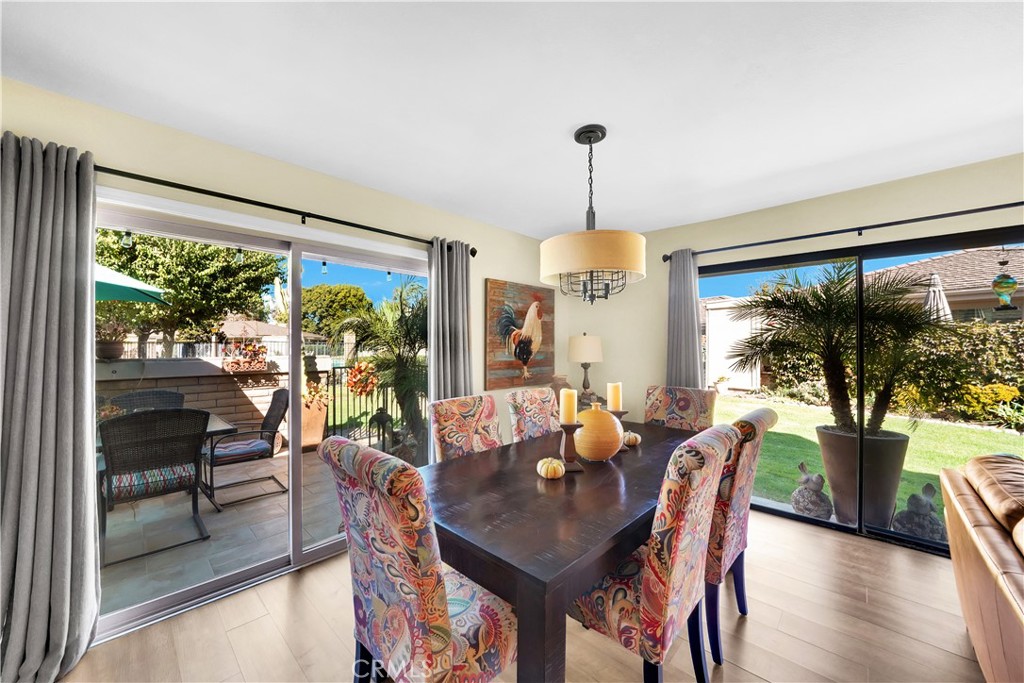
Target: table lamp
x=586 y=350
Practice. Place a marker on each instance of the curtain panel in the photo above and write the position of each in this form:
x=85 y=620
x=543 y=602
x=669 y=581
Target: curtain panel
x=451 y=370
x=685 y=364
x=49 y=566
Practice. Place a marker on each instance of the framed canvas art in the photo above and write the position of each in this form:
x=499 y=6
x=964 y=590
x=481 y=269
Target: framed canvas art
x=520 y=335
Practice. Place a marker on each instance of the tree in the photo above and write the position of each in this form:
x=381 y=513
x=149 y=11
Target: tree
x=395 y=332
x=820 y=320
x=201 y=282
x=325 y=307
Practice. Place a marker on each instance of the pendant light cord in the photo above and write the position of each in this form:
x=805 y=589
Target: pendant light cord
x=591 y=217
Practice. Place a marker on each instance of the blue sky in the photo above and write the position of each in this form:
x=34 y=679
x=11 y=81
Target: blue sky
x=374 y=282
x=742 y=283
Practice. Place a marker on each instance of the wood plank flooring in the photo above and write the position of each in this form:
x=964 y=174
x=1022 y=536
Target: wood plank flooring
x=824 y=606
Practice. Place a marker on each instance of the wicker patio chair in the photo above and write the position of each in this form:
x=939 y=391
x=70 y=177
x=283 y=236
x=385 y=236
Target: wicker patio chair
x=149 y=454
x=148 y=399
x=254 y=444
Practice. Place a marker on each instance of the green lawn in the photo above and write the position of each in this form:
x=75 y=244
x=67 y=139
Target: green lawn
x=933 y=446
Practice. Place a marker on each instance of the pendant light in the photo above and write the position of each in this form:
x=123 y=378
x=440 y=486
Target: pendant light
x=593 y=264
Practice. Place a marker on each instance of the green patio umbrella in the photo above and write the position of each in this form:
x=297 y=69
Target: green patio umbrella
x=113 y=286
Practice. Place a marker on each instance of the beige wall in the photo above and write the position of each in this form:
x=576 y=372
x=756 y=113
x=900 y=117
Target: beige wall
x=632 y=324
x=125 y=142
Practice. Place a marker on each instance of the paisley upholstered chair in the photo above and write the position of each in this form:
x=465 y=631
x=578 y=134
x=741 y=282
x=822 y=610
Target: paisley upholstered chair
x=534 y=412
x=462 y=425
x=680 y=407
x=728 y=538
x=643 y=603
x=418 y=618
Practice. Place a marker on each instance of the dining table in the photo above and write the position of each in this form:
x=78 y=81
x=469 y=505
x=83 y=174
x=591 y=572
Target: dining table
x=539 y=543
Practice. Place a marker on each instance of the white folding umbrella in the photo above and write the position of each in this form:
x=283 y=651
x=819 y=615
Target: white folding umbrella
x=935 y=301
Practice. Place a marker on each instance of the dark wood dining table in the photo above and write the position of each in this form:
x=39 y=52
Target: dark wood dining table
x=540 y=543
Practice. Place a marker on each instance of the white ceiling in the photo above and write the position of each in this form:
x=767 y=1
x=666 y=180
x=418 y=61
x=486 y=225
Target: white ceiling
x=712 y=109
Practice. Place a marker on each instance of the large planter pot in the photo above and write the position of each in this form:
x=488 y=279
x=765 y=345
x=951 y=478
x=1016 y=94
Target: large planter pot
x=109 y=350
x=883 y=465
x=314 y=418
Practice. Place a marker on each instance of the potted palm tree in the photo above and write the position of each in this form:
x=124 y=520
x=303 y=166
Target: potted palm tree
x=395 y=334
x=820 y=320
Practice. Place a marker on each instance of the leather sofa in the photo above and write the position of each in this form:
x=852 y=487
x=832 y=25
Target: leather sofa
x=985 y=521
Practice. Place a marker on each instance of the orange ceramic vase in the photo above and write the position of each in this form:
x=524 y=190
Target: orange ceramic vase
x=600 y=437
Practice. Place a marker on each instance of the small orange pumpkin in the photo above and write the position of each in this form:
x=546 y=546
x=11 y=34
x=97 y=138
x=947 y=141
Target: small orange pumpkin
x=631 y=439
x=551 y=468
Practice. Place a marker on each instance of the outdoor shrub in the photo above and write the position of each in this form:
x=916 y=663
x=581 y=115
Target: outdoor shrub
x=1010 y=415
x=811 y=393
x=978 y=402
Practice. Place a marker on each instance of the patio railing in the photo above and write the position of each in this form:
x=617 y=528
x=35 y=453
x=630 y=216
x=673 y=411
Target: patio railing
x=155 y=349
x=349 y=414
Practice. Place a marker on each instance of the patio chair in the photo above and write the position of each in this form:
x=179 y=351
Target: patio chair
x=534 y=412
x=464 y=425
x=641 y=605
x=242 y=447
x=680 y=407
x=148 y=399
x=728 y=539
x=149 y=454
x=416 y=617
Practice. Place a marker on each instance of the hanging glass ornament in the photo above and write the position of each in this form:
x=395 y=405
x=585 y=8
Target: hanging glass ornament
x=1004 y=285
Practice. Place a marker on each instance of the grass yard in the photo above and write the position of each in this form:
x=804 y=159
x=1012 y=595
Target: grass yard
x=933 y=446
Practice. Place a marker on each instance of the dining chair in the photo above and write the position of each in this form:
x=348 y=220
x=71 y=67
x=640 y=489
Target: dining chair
x=148 y=454
x=680 y=407
x=728 y=539
x=148 y=399
x=463 y=425
x=255 y=444
x=534 y=412
x=643 y=603
x=418 y=618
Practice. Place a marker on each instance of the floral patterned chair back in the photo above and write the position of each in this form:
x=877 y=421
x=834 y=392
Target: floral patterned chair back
x=462 y=425
x=652 y=594
x=398 y=586
x=534 y=412
x=674 y=569
x=680 y=407
x=732 y=506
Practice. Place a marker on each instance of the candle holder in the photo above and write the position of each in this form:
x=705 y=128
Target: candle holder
x=618 y=416
x=568 y=448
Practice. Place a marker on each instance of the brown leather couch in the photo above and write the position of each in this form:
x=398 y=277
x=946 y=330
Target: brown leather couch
x=985 y=521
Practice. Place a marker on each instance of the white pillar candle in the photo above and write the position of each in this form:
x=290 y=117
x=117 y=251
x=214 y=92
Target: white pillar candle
x=567 y=406
x=614 y=395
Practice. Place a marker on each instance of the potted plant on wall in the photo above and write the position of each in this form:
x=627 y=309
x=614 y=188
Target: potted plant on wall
x=113 y=323
x=819 y=320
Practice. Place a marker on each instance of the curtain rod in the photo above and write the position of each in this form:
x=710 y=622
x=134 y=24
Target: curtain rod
x=859 y=230
x=263 y=205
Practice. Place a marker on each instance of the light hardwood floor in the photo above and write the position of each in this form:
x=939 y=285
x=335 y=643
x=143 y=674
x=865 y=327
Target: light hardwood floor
x=824 y=606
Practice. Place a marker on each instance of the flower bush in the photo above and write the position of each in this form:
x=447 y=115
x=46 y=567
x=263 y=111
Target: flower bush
x=362 y=379
x=978 y=402
x=315 y=393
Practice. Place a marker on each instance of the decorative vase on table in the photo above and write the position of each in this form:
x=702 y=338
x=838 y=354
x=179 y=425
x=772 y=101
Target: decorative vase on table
x=600 y=437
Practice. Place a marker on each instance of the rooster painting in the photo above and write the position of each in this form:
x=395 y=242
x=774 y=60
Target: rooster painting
x=520 y=335
x=521 y=339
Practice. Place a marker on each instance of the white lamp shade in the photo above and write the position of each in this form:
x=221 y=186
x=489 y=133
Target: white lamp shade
x=585 y=349
x=576 y=252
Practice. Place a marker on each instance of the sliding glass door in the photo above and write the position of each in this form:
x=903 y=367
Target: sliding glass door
x=936 y=326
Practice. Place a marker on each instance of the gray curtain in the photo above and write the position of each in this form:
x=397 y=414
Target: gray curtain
x=685 y=366
x=451 y=370
x=49 y=571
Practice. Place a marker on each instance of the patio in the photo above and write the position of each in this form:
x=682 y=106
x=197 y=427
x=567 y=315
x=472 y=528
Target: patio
x=240 y=536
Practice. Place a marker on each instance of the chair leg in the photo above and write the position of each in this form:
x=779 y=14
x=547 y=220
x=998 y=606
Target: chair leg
x=714 y=630
x=740 y=584
x=695 y=632
x=203 y=533
x=366 y=669
x=652 y=673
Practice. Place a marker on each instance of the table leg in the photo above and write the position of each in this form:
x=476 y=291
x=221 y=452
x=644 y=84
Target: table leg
x=540 y=611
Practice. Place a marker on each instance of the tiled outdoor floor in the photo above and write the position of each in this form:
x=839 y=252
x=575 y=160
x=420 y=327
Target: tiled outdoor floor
x=240 y=536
